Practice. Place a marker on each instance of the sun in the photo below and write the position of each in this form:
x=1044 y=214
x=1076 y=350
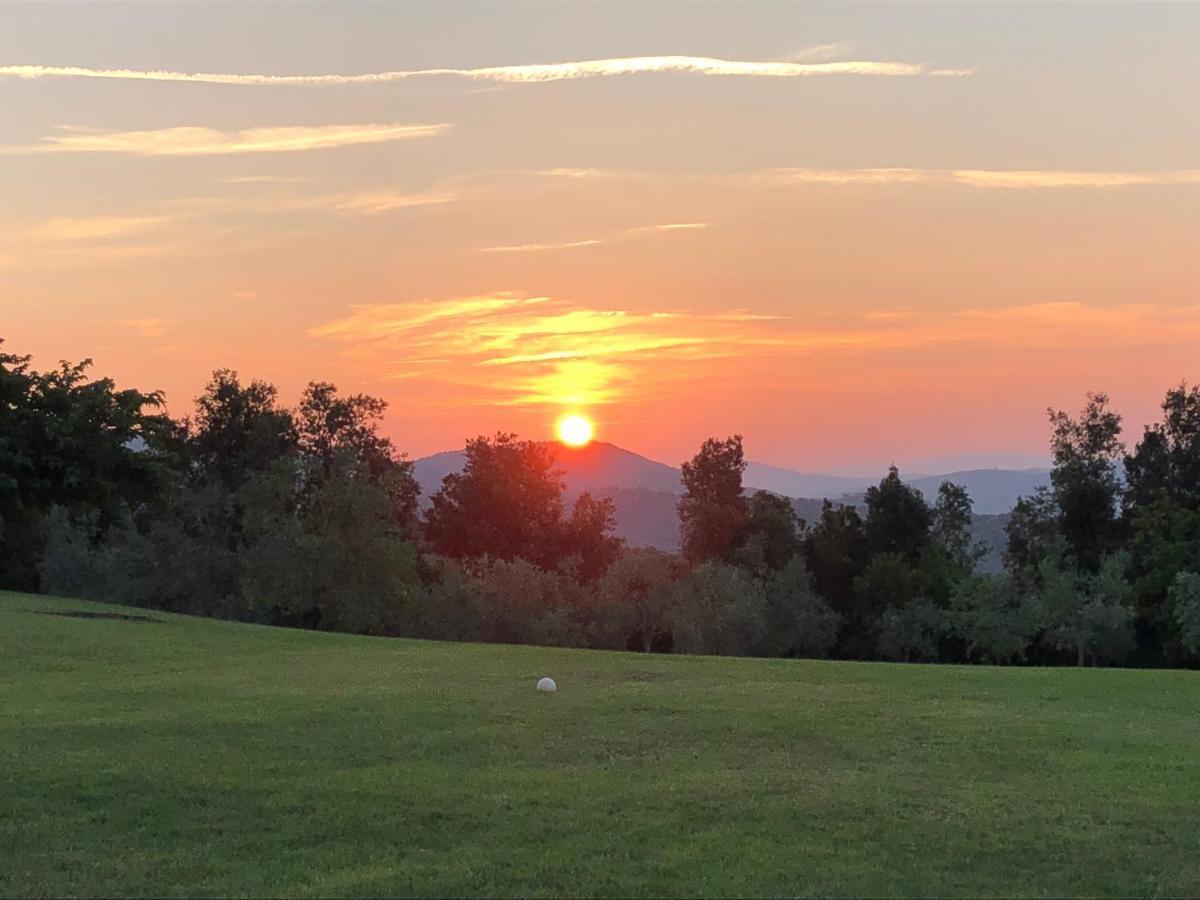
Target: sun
x=574 y=430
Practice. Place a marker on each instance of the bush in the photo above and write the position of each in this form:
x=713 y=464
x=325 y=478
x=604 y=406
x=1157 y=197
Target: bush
x=992 y=619
x=799 y=622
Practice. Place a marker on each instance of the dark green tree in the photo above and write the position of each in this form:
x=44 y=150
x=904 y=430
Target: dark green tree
x=238 y=430
x=951 y=528
x=712 y=511
x=836 y=553
x=72 y=442
x=506 y=503
x=335 y=430
x=1087 y=452
x=898 y=519
x=770 y=537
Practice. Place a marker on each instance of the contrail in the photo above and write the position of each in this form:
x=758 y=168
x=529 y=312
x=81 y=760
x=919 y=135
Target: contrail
x=519 y=74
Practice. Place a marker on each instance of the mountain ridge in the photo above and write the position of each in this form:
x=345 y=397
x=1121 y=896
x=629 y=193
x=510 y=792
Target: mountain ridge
x=601 y=465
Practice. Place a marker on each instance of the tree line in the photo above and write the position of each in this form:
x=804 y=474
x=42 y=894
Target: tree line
x=310 y=517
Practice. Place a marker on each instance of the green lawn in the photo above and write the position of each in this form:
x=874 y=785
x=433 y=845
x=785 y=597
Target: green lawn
x=192 y=757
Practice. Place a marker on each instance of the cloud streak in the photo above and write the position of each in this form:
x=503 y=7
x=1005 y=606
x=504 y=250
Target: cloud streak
x=198 y=141
x=506 y=349
x=94 y=228
x=535 y=73
x=1003 y=179
x=629 y=233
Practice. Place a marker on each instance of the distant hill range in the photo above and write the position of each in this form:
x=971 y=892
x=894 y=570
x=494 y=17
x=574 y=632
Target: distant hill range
x=645 y=492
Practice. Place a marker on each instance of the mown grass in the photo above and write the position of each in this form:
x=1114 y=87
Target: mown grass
x=193 y=757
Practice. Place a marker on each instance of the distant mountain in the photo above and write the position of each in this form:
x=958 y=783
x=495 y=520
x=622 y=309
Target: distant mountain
x=607 y=470
x=598 y=465
x=993 y=491
x=791 y=483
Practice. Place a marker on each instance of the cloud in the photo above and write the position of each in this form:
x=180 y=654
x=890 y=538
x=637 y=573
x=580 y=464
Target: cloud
x=823 y=51
x=261 y=179
x=1069 y=179
x=591 y=242
x=96 y=228
x=506 y=349
x=980 y=178
x=512 y=74
x=374 y=202
x=197 y=141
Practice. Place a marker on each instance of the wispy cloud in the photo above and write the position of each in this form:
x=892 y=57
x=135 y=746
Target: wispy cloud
x=823 y=51
x=94 y=228
x=511 y=350
x=981 y=178
x=197 y=141
x=592 y=242
x=511 y=74
x=261 y=179
x=373 y=202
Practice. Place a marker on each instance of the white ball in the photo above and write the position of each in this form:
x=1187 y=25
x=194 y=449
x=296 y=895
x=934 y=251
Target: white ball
x=547 y=684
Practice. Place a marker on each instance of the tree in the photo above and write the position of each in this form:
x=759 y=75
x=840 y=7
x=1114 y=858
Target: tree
x=718 y=609
x=238 y=430
x=632 y=602
x=992 y=618
x=799 y=622
x=336 y=561
x=770 y=536
x=1032 y=531
x=898 y=519
x=588 y=536
x=67 y=440
x=1185 y=598
x=712 y=510
x=1085 y=479
x=1167 y=459
x=951 y=527
x=1086 y=615
x=332 y=428
x=911 y=632
x=836 y=553
x=506 y=503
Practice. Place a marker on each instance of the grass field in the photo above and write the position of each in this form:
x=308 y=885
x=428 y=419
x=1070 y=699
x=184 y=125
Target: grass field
x=192 y=757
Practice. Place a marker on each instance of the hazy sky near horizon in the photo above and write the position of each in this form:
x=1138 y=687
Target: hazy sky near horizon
x=854 y=233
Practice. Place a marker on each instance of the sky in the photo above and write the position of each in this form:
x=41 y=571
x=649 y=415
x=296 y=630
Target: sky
x=856 y=234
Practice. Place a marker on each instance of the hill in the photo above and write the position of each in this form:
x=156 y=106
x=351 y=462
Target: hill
x=598 y=465
x=189 y=757
x=604 y=465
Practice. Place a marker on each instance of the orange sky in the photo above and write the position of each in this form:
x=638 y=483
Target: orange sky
x=854 y=234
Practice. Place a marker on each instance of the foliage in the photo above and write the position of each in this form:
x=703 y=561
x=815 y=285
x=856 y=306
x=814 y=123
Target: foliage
x=911 y=632
x=951 y=527
x=336 y=560
x=633 y=599
x=1032 y=531
x=712 y=511
x=799 y=622
x=1085 y=477
x=770 y=537
x=238 y=430
x=898 y=519
x=68 y=440
x=1086 y=615
x=1185 y=598
x=718 y=609
x=836 y=553
x=993 y=618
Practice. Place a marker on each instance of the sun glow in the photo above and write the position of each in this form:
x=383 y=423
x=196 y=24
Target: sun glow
x=574 y=430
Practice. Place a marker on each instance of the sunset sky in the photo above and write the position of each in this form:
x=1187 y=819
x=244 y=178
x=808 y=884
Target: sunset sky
x=856 y=234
